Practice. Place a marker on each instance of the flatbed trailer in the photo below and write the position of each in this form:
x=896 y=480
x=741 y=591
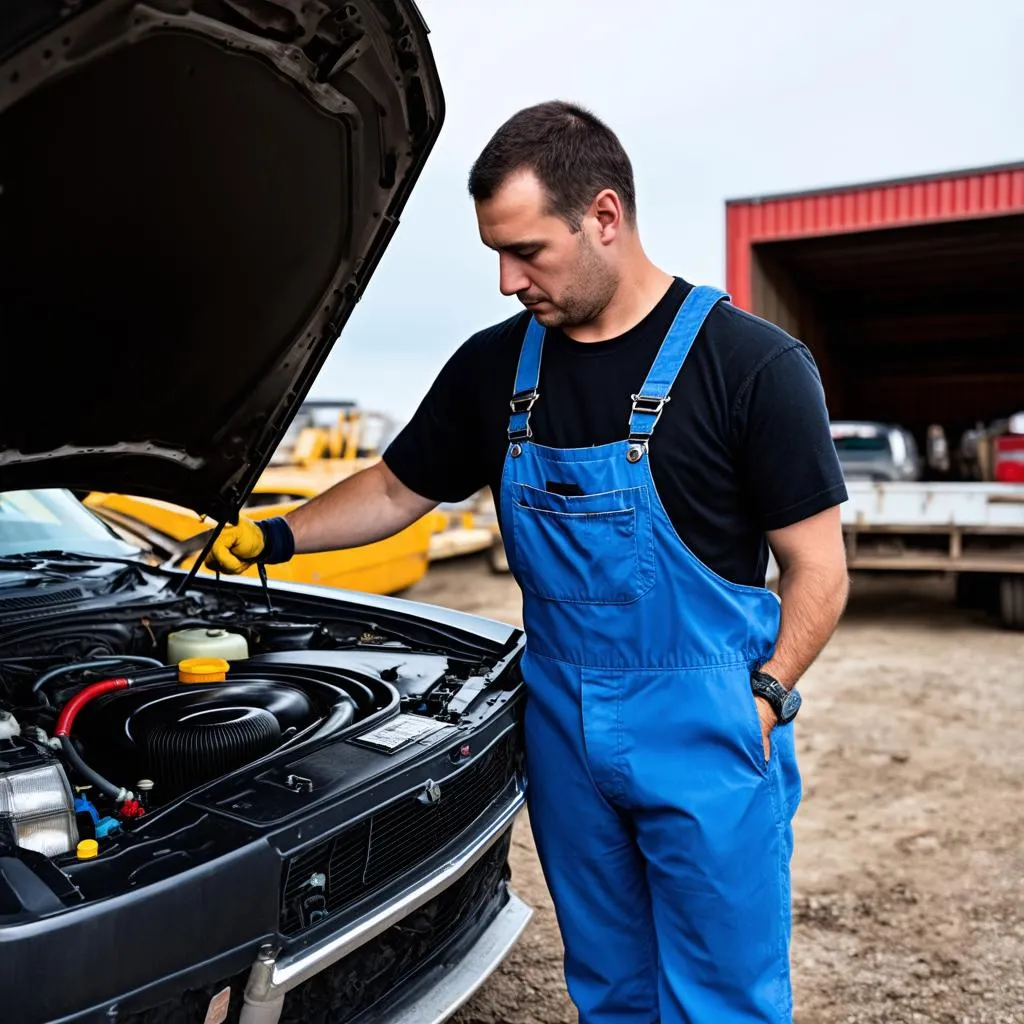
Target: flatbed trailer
x=975 y=530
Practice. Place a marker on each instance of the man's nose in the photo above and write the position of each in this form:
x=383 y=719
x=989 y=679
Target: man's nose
x=512 y=279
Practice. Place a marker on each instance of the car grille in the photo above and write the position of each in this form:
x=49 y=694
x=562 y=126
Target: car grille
x=338 y=872
x=357 y=986
x=441 y=930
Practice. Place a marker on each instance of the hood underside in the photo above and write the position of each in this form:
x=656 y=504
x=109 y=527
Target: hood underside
x=194 y=196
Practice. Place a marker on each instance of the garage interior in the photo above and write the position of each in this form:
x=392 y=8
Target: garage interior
x=912 y=325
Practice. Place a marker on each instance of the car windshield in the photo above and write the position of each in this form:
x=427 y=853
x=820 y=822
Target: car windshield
x=54 y=520
x=862 y=444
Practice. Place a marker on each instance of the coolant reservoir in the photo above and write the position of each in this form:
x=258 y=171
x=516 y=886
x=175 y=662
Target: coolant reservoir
x=205 y=643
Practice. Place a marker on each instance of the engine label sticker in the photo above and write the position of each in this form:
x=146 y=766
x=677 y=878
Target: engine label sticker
x=218 y=1010
x=400 y=732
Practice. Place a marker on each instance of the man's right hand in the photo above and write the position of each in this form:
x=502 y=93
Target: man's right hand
x=236 y=548
x=364 y=507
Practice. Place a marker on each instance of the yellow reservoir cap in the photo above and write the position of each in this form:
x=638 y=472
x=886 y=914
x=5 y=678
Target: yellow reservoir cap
x=87 y=849
x=202 y=670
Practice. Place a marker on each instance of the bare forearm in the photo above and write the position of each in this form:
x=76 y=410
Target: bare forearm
x=366 y=507
x=813 y=598
x=813 y=585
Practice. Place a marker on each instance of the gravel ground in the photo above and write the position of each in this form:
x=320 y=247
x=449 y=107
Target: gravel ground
x=909 y=871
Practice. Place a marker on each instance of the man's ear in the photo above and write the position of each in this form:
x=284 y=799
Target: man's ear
x=607 y=210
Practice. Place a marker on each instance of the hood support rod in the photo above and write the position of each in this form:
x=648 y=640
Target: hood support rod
x=197 y=564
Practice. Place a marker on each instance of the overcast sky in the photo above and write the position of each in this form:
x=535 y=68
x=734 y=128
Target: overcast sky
x=712 y=100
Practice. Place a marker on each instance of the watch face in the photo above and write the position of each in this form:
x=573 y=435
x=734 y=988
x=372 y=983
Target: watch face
x=790 y=706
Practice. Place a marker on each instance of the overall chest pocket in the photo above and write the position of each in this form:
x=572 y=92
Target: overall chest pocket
x=586 y=549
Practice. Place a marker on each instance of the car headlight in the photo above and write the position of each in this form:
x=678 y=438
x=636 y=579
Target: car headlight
x=37 y=809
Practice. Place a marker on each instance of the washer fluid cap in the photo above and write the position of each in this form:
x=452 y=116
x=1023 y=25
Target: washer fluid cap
x=87 y=849
x=202 y=670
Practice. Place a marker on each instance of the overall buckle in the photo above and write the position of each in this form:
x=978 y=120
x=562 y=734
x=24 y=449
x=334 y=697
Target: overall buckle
x=524 y=401
x=645 y=405
x=521 y=403
x=650 y=405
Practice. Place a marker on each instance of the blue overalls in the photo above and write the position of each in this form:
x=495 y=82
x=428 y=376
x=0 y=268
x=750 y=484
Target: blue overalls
x=664 y=836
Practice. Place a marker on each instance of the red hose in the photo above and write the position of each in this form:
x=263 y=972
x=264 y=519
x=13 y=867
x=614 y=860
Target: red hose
x=80 y=699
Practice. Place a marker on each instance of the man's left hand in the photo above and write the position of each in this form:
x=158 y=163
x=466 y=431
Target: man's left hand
x=768 y=722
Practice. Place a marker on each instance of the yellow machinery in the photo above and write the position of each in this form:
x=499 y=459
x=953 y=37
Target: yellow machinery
x=327 y=442
x=386 y=567
x=337 y=438
x=333 y=432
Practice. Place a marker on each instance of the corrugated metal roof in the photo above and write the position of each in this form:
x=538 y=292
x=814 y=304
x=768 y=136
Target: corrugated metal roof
x=910 y=179
x=962 y=195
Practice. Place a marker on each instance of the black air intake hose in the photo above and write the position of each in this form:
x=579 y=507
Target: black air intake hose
x=186 y=753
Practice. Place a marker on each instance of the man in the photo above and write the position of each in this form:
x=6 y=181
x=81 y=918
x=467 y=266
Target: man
x=657 y=437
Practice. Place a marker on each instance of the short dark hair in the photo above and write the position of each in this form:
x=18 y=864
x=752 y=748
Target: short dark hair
x=573 y=153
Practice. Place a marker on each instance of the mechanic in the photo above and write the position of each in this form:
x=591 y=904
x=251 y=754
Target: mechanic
x=659 y=441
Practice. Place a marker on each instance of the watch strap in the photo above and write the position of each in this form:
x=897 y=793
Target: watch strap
x=778 y=697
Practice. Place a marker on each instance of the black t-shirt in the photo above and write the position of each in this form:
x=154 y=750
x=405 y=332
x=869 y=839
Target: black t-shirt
x=743 y=446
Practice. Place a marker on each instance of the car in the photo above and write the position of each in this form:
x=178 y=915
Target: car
x=220 y=800
x=880 y=452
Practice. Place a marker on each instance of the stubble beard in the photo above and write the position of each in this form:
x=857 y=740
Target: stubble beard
x=593 y=287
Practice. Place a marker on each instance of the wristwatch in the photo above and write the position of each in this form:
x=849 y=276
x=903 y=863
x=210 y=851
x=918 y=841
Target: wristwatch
x=785 y=703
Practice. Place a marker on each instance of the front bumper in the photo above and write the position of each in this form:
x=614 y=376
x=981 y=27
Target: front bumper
x=437 y=996
x=414 y=960
x=163 y=951
x=272 y=978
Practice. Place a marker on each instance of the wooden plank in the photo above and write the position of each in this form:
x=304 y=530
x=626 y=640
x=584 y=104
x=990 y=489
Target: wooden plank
x=926 y=529
x=956 y=544
x=937 y=563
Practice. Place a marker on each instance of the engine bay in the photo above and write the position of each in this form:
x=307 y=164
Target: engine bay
x=115 y=709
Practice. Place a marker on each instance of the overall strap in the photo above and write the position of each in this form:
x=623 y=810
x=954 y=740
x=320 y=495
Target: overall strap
x=527 y=379
x=647 y=405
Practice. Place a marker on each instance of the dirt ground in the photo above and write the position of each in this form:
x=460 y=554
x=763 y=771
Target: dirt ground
x=909 y=872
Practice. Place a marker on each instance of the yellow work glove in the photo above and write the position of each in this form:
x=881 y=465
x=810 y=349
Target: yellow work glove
x=236 y=548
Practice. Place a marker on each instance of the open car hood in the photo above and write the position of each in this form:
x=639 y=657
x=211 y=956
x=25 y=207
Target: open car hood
x=194 y=196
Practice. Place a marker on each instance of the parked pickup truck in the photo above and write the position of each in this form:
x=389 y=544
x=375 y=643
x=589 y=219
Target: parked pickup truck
x=876 y=451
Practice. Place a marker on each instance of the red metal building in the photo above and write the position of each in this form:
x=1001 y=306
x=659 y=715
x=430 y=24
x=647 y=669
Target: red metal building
x=910 y=293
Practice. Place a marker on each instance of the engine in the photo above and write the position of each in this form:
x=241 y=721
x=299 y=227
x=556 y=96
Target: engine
x=92 y=743
x=177 y=735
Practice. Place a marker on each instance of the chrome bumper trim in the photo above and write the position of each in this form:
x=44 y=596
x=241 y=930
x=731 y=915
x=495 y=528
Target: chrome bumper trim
x=438 y=1002
x=270 y=977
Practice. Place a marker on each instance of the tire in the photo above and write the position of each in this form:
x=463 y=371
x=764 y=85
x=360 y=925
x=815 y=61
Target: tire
x=977 y=590
x=1011 y=601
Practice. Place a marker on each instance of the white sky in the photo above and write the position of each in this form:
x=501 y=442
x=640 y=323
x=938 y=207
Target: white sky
x=712 y=100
